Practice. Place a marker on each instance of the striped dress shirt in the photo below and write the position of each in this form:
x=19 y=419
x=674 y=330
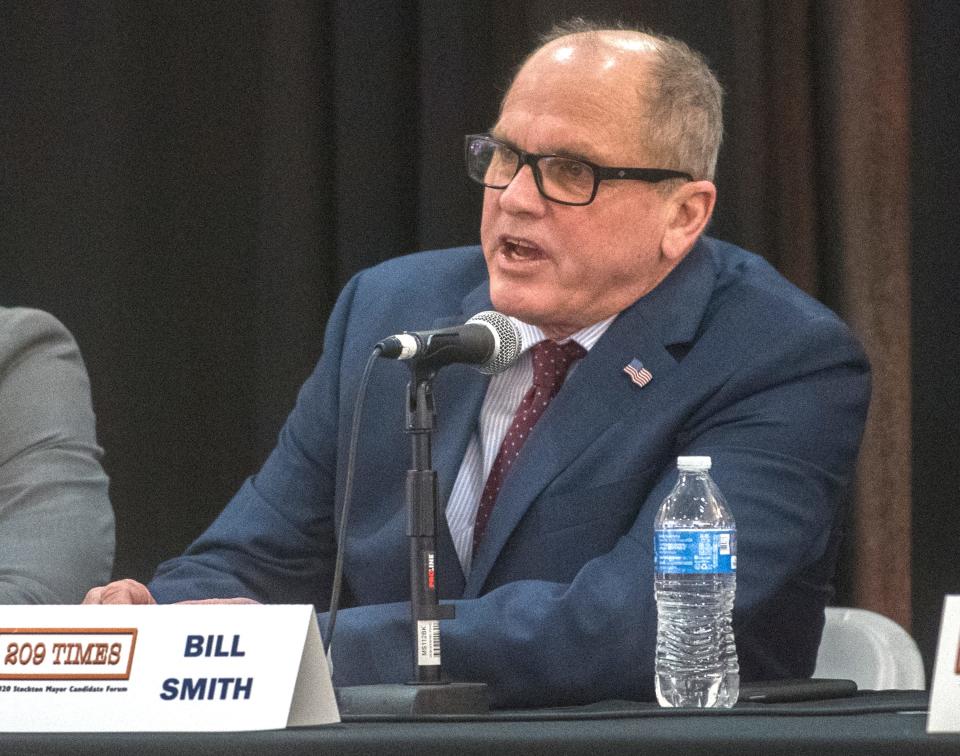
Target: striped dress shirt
x=504 y=394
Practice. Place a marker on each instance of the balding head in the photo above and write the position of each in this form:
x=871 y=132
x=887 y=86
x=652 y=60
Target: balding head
x=585 y=109
x=679 y=113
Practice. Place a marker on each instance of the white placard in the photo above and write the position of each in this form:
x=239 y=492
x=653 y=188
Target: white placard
x=162 y=668
x=944 y=713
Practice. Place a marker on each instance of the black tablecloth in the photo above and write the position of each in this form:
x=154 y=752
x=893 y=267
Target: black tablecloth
x=884 y=722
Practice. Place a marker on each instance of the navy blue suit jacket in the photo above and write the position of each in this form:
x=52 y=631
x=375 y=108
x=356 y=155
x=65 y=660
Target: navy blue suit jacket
x=558 y=607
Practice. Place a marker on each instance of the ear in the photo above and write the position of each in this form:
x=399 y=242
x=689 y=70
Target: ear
x=690 y=208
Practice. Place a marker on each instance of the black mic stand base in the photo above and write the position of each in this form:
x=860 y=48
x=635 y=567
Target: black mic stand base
x=412 y=700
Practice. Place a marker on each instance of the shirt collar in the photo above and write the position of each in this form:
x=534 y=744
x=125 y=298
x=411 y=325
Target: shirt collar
x=585 y=337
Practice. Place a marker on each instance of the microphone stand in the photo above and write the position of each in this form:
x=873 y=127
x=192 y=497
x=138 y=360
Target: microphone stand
x=429 y=692
x=425 y=609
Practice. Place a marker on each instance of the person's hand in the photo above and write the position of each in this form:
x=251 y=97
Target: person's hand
x=131 y=592
x=120 y=592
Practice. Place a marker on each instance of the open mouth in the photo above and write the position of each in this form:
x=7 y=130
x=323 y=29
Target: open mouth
x=520 y=250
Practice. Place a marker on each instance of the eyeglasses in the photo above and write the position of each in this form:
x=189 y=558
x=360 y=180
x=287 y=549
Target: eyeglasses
x=560 y=179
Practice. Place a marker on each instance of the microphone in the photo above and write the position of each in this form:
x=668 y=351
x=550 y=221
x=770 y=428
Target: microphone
x=489 y=341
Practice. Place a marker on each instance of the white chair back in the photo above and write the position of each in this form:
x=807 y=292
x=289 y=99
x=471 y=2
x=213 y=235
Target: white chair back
x=870 y=649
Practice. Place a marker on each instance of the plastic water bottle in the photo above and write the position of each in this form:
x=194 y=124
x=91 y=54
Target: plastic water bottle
x=695 y=547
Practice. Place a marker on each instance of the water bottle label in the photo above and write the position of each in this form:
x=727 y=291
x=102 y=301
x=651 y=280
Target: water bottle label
x=686 y=552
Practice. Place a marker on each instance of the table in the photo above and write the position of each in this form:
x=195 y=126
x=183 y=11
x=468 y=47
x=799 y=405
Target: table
x=871 y=722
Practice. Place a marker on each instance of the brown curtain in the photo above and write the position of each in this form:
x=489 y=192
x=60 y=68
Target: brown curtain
x=871 y=149
x=829 y=187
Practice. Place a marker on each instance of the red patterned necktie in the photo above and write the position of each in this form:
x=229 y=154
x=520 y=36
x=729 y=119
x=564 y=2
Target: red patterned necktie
x=551 y=361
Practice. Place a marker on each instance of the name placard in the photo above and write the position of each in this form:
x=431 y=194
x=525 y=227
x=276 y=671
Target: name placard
x=162 y=668
x=944 y=713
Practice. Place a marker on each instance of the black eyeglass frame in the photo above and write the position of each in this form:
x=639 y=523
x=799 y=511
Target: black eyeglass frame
x=600 y=172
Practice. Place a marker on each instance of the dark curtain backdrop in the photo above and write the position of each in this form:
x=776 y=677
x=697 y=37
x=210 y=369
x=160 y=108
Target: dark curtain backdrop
x=188 y=185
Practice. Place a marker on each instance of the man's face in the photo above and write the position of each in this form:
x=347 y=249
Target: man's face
x=565 y=267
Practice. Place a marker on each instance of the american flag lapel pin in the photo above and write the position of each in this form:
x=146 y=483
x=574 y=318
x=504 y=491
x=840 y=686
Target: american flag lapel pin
x=638 y=373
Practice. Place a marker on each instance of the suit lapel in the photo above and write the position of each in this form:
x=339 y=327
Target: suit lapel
x=597 y=395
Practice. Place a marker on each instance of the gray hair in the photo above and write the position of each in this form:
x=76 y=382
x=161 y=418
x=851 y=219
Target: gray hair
x=684 y=101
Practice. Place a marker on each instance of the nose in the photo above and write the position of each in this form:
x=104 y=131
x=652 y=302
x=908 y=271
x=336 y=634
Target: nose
x=522 y=195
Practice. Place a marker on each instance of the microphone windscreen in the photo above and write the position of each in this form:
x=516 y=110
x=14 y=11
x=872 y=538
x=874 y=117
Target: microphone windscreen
x=508 y=341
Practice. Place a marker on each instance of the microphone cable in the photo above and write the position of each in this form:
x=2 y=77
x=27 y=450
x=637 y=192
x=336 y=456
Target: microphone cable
x=347 y=496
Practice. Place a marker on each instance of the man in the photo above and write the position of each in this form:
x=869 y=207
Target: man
x=56 y=523
x=552 y=574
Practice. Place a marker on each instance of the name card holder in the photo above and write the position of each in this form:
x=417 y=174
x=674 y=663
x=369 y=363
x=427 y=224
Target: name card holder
x=162 y=668
x=944 y=711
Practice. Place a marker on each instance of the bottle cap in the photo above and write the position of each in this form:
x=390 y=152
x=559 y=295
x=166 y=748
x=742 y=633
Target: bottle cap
x=694 y=464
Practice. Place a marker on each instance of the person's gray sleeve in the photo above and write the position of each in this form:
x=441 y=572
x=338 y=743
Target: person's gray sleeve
x=56 y=522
